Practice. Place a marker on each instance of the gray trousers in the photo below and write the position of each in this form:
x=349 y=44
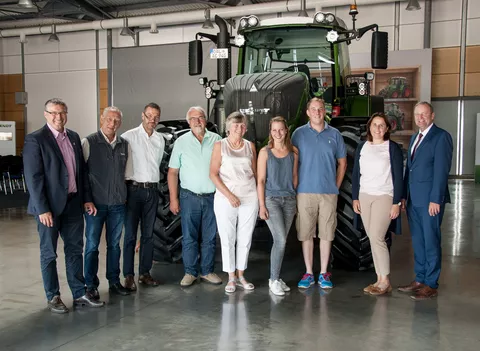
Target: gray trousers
x=281 y=210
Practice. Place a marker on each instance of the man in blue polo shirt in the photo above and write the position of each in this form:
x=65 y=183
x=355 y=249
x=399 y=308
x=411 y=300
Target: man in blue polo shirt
x=191 y=160
x=322 y=166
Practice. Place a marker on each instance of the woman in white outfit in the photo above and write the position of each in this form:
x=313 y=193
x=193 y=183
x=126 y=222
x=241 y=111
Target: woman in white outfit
x=233 y=171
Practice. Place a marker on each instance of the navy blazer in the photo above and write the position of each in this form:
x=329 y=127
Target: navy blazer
x=426 y=177
x=46 y=174
x=396 y=164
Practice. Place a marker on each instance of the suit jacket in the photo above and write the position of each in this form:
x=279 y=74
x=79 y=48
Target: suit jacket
x=396 y=166
x=426 y=176
x=46 y=173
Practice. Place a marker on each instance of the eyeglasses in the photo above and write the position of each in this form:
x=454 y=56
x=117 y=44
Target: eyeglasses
x=197 y=119
x=151 y=117
x=55 y=114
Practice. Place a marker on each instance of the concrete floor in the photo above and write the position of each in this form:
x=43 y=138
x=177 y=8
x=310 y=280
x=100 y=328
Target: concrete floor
x=203 y=317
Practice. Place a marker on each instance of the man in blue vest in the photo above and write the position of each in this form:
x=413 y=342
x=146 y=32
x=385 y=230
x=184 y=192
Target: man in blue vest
x=426 y=193
x=106 y=154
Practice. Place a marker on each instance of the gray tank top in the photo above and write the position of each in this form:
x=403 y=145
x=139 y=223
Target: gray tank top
x=279 y=175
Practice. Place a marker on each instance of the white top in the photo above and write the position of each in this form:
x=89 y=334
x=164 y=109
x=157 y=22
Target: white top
x=424 y=135
x=375 y=169
x=236 y=171
x=145 y=155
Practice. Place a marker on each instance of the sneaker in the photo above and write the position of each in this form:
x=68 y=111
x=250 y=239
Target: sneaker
x=284 y=286
x=211 y=278
x=276 y=288
x=188 y=280
x=306 y=281
x=324 y=280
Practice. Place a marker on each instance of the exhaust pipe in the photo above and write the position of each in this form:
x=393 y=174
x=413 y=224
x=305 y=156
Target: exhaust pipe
x=223 y=42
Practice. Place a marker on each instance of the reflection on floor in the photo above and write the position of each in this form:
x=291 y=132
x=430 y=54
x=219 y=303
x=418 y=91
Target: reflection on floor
x=203 y=317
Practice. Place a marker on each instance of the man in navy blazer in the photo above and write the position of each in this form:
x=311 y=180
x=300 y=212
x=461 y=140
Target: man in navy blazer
x=425 y=195
x=59 y=192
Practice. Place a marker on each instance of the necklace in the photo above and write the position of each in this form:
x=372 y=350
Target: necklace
x=233 y=146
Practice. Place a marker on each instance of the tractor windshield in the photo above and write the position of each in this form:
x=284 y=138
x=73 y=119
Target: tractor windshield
x=303 y=49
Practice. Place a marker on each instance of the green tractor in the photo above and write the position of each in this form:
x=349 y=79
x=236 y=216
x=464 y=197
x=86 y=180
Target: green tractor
x=397 y=88
x=282 y=63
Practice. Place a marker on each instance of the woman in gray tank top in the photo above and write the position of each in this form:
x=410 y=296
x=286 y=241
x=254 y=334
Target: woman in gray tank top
x=277 y=171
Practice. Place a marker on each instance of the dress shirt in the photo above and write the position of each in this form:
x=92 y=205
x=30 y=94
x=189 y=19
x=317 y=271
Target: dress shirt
x=68 y=154
x=424 y=133
x=145 y=155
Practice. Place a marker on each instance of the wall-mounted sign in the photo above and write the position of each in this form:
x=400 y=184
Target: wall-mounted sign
x=7 y=138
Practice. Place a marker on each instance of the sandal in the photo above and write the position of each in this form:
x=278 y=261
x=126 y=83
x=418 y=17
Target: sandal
x=242 y=283
x=231 y=288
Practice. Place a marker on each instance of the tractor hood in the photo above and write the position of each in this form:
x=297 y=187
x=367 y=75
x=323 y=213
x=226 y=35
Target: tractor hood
x=262 y=96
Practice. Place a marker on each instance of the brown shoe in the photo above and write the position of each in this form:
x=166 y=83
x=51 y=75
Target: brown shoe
x=56 y=305
x=369 y=288
x=211 y=278
x=425 y=293
x=147 y=279
x=130 y=283
x=376 y=291
x=412 y=287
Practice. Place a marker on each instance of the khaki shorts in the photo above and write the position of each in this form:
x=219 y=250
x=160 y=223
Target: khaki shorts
x=313 y=208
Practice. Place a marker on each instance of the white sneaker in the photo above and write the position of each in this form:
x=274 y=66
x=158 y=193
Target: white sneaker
x=276 y=288
x=284 y=286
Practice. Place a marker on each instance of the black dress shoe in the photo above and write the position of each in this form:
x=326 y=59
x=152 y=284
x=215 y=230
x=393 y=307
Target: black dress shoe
x=56 y=305
x=118 y=289
x=88 y=300
x=94 y=294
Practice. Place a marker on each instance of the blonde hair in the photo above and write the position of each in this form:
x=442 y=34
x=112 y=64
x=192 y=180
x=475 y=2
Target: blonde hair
x=235 y=117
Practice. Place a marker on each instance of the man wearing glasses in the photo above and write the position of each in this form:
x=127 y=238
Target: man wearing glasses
x=142 y=175
x=191 y=160
x=59 y=192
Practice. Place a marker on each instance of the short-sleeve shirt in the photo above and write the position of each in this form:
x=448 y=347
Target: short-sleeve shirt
x=192 y=158
x=317 y=162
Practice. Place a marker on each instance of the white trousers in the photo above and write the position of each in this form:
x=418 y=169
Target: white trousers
x=235 y=225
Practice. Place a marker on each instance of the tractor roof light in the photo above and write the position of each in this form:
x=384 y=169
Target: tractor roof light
x=208 y=92
x=332 y=36
x=330 y=18
x=248 y=21
x=319 y=17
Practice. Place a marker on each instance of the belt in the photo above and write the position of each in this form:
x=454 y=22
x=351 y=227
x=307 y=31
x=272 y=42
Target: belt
x=71 y=196
x=195 y=194
x=142 y=185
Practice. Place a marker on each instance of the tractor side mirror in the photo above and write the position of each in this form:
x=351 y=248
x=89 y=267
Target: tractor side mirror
x=379 y=50
x=195 y=57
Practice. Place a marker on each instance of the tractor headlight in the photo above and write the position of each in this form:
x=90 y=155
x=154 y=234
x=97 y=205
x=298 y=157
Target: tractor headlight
x=319 y=17
x=239 y=40
x=362 y=89
x=208 y=92
x=329 y=18
x=369 y=76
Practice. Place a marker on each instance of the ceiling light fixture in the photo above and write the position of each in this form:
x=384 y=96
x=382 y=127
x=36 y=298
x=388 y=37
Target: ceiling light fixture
x=153 y=28
x=126 y=32
x=26 y=4
x=53 y=36
x=207 y=24
x=413 y=5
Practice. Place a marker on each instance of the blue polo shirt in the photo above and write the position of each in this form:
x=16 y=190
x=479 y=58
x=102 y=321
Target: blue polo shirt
x=318 y=154
x=192 y=158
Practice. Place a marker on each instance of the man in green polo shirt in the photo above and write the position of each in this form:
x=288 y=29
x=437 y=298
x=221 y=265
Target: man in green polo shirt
x=191 y=160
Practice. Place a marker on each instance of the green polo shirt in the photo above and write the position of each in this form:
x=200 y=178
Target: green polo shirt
x=192 y=158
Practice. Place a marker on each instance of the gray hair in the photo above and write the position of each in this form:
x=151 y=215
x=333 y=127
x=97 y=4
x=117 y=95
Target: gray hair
x=235 y=117
x=111 y=109
x=198 y=109
x=426 y=103
x=56 y=101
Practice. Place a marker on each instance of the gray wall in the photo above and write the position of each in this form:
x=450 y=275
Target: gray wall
x=159 y=74
x=446 y=113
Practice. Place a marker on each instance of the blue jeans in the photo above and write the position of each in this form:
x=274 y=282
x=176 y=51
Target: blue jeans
x=142 y=206
x=198 y=219
x=281 y=210
x=113 y=217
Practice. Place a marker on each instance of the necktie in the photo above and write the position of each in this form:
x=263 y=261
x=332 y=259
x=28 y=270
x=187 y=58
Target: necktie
x=420 y=136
